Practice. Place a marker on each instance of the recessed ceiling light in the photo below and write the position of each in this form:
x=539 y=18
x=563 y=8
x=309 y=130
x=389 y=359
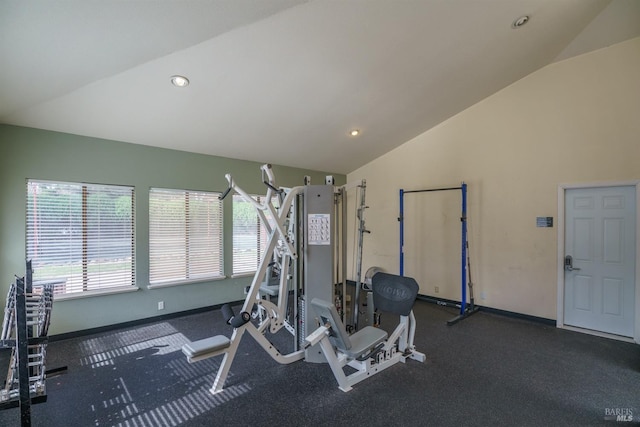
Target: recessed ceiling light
x=179 y=81
x=519 y=22
x=354 y=132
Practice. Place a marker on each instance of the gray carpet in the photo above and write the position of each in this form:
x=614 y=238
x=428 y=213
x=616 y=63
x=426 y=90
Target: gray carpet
x=487 y=370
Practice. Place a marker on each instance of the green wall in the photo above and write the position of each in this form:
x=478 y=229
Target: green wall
x=38 y=154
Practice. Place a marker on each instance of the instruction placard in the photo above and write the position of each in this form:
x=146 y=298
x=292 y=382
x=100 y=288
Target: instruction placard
x=319 y=226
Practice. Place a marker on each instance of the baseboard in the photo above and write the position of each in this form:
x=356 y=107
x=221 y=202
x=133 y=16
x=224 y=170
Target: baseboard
x=506 y=313
x=139 y=322
x=515 y=315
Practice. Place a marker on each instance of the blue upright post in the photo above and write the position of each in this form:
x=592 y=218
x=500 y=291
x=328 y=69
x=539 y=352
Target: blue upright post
x=401 y=219
x=463 y=260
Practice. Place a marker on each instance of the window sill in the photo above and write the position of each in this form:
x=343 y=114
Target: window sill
x=184 y=282
x=96 y=293
x=240 y=275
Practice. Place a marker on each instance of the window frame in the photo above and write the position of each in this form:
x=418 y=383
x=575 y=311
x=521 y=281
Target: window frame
x=60 y=257
x=158 y=278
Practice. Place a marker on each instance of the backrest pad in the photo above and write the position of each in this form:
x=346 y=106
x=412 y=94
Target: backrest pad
x=394 y=294
x=328 y=314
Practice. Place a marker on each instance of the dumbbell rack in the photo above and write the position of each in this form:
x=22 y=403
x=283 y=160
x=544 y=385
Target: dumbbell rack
x=24 y=331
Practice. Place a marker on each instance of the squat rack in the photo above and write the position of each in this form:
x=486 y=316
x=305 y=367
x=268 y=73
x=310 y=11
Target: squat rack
x=465 y=310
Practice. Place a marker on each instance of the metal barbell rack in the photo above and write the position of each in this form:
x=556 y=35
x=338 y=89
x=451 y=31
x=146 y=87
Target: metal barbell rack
x=24 y=331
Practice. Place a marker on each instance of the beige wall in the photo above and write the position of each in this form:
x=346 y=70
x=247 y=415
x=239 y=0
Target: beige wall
x=576 y=121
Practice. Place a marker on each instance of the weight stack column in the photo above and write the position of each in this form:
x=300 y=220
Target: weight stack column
x=319 y=262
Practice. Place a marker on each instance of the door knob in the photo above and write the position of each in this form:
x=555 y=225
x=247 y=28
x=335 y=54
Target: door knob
x=568 y=263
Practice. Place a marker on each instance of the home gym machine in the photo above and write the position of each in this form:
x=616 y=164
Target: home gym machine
x=466 y=310
x=306 y=248
x=290 y=240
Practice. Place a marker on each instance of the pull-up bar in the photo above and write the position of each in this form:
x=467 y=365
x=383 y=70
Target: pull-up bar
x=464 y=310
x=431 y=189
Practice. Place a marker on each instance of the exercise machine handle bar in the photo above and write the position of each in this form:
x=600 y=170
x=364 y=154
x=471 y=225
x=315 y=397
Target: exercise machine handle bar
x=269 y=182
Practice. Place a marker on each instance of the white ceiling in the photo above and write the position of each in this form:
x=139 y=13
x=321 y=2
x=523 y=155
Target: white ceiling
x=280 y=81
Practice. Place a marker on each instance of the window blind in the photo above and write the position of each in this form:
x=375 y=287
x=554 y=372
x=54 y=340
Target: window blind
x=81 y=236
x=185 y=236
x=249 y=236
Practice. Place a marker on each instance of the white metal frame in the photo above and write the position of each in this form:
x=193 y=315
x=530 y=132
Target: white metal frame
x=281 y=243
x=398 y=347
x=562 y=188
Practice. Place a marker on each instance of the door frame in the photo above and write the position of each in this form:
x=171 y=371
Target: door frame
x=562 y=188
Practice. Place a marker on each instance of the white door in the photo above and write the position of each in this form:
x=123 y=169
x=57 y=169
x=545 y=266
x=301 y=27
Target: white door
x=600 y=230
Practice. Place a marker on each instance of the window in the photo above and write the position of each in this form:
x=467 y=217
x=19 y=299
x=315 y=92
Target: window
x=81 y=236
x=185 y=236
x=249 y=235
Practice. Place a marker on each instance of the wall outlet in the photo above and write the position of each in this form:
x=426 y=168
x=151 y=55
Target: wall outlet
x=483 y=295
x=437 y=289
x=160 y=305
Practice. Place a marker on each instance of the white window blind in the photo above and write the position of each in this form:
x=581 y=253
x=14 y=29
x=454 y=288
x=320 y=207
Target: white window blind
x=185 y=236
x=81 y=236
x=249 y=236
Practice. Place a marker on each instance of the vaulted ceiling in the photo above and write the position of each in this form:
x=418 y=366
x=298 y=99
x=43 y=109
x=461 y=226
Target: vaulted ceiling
x=280 y=81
